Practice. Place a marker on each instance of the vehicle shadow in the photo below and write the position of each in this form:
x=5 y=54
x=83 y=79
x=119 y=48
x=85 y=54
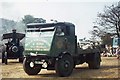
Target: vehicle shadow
x=103 y=72
x=12 y=62
x=83 y=72
x=52 y=73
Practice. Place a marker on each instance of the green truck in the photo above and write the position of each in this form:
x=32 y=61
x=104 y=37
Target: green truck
x=53 y=46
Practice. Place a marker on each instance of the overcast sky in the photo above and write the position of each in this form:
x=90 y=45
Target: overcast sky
x=82 y=14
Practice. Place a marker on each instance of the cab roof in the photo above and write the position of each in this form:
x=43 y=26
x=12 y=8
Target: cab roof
x=43 y=25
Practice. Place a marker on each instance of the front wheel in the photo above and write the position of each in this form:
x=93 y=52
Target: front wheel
x=30 y=68
x=64 y=66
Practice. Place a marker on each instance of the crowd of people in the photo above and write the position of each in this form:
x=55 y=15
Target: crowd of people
x=110 y=52
x=118 y=52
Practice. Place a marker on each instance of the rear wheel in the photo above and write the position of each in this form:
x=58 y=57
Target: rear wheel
x=30 y=68
x=94 y=63
x=21 y=59
x=64 y=66
x=5 y=58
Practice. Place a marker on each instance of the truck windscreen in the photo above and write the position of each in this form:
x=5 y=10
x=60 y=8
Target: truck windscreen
x=39 y=40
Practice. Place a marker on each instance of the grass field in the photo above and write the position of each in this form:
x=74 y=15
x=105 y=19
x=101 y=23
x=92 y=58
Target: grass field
x=109 y=69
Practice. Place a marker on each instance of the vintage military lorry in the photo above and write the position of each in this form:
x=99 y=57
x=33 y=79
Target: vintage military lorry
x=53 y=46
x=13 y=48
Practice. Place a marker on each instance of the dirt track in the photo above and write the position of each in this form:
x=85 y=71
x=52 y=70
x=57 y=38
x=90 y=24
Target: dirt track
x=109 y=69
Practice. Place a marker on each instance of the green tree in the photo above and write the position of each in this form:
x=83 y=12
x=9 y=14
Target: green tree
x=7 y=25
x=39 y=20
x=30 y=19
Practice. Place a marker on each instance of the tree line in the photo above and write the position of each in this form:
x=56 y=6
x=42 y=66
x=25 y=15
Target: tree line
x=7 y=25
x=107 y=24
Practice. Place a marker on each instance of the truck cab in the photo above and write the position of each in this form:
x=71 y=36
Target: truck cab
x=50 y=39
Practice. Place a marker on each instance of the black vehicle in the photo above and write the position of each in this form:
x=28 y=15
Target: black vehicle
x=13 y=48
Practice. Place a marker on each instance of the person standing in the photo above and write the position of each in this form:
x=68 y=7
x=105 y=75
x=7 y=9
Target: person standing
x=118 y=52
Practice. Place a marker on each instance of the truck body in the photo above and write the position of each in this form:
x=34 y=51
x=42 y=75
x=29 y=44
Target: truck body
x=53 y=46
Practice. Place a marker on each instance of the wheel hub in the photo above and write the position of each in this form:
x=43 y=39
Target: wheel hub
x=31 y=64
x=14 y=48
x=66 y=65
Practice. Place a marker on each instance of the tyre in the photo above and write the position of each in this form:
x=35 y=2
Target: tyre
x=64 y=66
x=30 y=68
x=74 y=66
x=5 y=58
x=21 y=59
x=95 y=61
